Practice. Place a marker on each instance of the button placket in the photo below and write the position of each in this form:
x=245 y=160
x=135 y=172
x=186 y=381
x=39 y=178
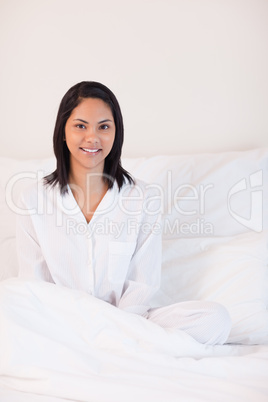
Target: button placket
x=89 y=264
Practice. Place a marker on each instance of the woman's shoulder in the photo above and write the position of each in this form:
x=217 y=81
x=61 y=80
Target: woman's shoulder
x=141 y=196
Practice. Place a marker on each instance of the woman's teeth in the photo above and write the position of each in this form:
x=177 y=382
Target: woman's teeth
x=89 y=150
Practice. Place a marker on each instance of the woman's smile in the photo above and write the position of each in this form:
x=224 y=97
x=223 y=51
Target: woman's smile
x=91 y=151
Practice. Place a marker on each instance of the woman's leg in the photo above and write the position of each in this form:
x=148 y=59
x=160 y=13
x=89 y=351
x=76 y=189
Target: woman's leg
x=207 y=322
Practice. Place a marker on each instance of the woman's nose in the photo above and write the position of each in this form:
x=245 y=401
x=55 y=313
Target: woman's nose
x=90 y=135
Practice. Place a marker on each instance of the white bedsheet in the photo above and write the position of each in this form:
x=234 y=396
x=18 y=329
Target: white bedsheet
x=59 y=344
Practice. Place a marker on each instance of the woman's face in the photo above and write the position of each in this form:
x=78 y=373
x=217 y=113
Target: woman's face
x=89 y=134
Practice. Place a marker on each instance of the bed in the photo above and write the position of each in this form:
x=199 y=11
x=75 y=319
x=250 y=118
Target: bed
x=58 y=344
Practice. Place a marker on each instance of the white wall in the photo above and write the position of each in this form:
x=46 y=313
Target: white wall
x=190 y=75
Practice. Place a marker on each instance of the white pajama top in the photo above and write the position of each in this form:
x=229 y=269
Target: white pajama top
x=116 y=256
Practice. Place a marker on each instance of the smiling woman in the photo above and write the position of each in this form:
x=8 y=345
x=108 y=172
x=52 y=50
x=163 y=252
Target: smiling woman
x=72 y=242
x=88 y=139
x=87 y=111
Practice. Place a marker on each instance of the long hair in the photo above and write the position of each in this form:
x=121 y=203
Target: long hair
x=112 y=165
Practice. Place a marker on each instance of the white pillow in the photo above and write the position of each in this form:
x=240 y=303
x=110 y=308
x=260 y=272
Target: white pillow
x=220 y=194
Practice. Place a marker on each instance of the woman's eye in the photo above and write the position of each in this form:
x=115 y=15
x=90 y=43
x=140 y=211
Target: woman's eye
x=80 y=126
x=104 y=127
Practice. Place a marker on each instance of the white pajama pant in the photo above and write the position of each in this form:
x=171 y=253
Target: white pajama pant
x=207 y=322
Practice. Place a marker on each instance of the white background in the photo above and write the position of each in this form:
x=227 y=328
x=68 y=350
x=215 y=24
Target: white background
x=190 y=75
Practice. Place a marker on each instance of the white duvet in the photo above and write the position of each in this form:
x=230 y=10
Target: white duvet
x=59 y=344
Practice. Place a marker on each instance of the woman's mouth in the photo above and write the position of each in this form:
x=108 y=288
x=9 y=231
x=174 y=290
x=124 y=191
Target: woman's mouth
x=90 y=151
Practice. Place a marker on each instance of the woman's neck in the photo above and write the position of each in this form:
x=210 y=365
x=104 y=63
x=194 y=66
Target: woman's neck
x=84 y=180
x=88 y=190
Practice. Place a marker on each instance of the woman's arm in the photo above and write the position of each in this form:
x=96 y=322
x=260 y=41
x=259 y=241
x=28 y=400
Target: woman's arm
x=32 y=264
x=144 y=273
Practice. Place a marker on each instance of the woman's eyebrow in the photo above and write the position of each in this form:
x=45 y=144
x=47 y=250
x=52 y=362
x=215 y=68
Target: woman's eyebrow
x=103 y=121
x=83 y=121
